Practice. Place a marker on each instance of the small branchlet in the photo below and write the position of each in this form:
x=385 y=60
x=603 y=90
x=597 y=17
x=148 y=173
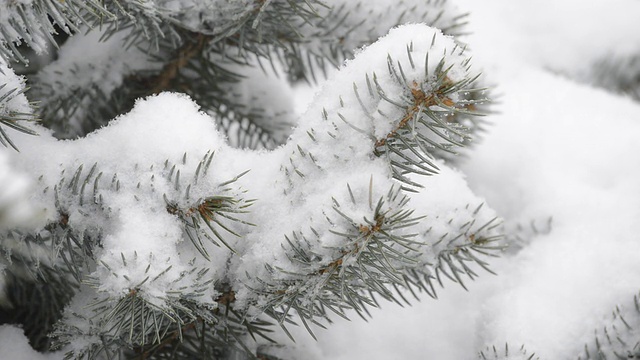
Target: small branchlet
x=209 y=216
x=374 y=255
x=11 y=119
x=469 y=245
x=434 y=121
x=34 y=23
x=421 y=101
x=148 y=329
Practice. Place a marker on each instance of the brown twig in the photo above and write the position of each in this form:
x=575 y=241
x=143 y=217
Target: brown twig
x=420 y=101
x=367 y=231
x=170 y=71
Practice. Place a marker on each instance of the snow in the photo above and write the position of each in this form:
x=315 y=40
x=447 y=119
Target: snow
x=264 y=94
x=91 y=73
x=104 y=66
x=15 y=345
x=127 y=184
x=573 y=155
x=14 y=186
x=139 y=227
x=556 y=148
x=14 y=84
x=215 y=16
x=361 y=22
x=304 y=185
x=15 y=209
x=17 y=19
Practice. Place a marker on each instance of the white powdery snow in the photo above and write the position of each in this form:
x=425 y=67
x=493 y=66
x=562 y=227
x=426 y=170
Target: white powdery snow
x=15 y=346
x=574 y=158
x=10 y=82
x=14 y=186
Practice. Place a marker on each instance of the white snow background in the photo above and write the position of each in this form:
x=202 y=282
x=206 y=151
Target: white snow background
x=557 y=148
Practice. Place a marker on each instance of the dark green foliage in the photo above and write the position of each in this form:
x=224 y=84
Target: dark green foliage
x=37 y=288
x=36 y=303
x=619 y=74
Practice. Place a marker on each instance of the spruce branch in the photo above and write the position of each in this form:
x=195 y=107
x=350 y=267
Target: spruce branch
x=343 y=26
x=441 y=115
x=35 y=22
x=140 y=319
x=137 y=329
x=325 y=239
x=382 y=255
x=211 y=211
x=467 y=246
x=192 y=48
x=202 y=338
x=372 y=256
x=15 y=110
x=196 y=67
x=426 y=125
x=37 y=286
x=426 y=105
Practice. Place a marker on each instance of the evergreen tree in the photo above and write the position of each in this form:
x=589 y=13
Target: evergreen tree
x=154 y=238
x=177 y=207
